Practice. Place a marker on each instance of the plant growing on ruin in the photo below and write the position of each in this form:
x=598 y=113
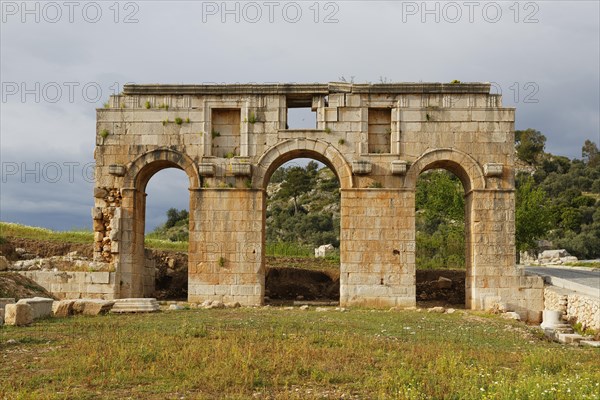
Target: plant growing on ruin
x=164 y=106
x=104 y=133
x=454 y=81
x=147 y=105
x=427 y=117
x=248 y=183
x=215 y=134
x=327 y=130
x=106 y=105
x=221 y=261
x=252 y=118
x=341 y=142
x=229 y=154
x=178 y=121
x=187 y=120
x=375 y=185
x=165 y=121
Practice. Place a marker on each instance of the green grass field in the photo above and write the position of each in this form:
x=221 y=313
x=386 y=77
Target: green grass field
x=8 y=229
x=291 y=354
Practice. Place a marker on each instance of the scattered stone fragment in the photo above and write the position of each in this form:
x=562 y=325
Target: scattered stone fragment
x=216 y=304
x=19 y=314
x=304 y=307
x=341 y=309
x=321 y=309
x=450 y=311
x=444 y=283
x=176 y=307
x=439 y=310
x=511 y=315
x=12 y=341
x=206 y=303
x=233 y=305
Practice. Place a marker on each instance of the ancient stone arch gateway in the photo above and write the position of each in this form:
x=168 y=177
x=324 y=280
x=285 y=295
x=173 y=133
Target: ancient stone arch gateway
x=378 y=138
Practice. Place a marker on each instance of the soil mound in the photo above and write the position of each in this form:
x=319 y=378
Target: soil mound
x=14 y=285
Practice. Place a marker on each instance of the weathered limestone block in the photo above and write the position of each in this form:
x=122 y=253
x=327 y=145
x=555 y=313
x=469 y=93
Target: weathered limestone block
x=63 y=308
x=92 y=306
x=18 y=314
x=41 y=306
x=135 y=305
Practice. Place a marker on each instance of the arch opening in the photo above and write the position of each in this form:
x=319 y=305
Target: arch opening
x=156 y=273
x=302 y=213
x=442 y=226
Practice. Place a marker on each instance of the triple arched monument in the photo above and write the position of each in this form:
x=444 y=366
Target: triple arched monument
x=377 y=138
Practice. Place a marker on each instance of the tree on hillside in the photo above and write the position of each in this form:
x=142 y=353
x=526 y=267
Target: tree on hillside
x=297 y=182
x=176 y=217
x=530 y=145
x=532 y=214
x=590 y=153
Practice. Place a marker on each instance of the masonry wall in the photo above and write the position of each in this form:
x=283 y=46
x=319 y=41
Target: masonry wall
x=462 y=128
x=575 y=307
x=76 y=285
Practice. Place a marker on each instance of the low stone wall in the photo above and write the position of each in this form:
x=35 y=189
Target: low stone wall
x=75 y=285
x=575 y=307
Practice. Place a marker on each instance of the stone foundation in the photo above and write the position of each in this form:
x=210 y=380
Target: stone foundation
x=76 y=285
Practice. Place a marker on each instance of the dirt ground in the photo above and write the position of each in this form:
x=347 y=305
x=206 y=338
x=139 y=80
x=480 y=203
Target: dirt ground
x=287 y=278
x=16 y=286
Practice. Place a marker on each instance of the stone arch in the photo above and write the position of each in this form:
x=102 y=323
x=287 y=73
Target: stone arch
x=137 y=278
x=460 y=164
x=471 y=175
x=145 y=166
x=289 y=149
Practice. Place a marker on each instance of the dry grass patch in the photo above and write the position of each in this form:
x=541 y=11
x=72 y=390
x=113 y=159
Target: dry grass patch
x=276 y=353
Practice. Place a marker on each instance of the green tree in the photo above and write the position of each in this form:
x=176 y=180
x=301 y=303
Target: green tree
x=532 y=215
x=590 y=153
x=297 y=182
x=530 y=145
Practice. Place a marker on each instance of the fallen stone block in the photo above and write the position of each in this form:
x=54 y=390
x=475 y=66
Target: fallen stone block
x=591 y=343
x=569 y=338
x=176 y=307
x=63 y=308
x=439 y=310
x=42 y=307
x=92 y=306
x=135 y=305
x=19 y=314
x=444 y=283
x=511 y=315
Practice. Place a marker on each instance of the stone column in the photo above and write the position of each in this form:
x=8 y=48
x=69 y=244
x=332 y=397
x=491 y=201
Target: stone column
x=377 y=254
x=226 y=260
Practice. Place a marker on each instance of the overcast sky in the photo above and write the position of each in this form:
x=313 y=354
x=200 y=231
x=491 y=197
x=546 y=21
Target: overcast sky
x=60 y=61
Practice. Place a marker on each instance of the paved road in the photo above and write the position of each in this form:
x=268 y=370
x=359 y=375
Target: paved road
x=581 y=280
